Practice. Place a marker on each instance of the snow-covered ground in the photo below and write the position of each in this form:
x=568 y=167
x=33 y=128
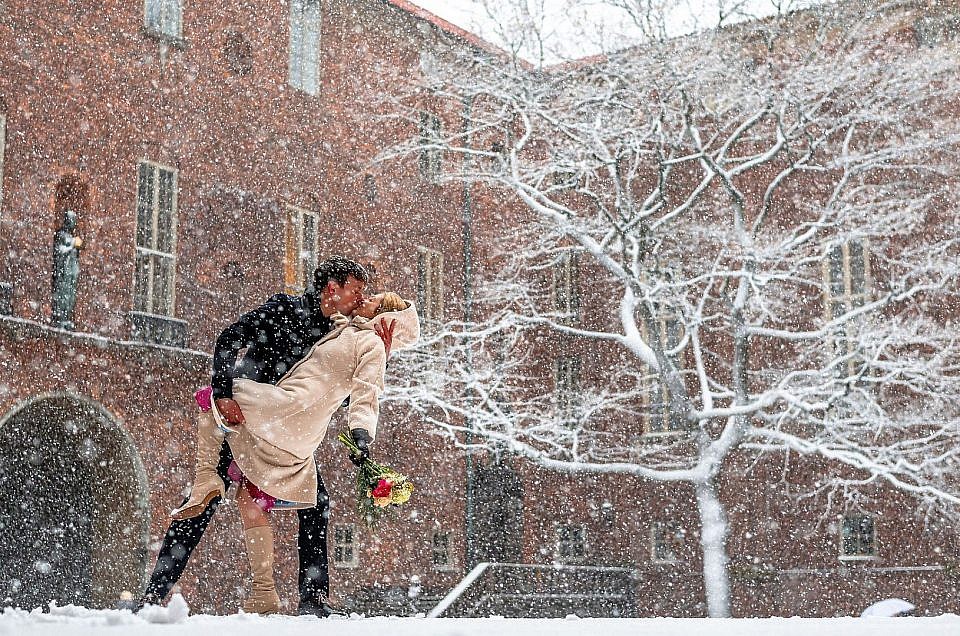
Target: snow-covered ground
x=174 y=621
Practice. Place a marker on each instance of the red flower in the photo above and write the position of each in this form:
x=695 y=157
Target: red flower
x=382 y=489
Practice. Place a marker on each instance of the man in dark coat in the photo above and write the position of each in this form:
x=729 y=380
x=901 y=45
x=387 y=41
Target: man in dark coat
x=276 y=335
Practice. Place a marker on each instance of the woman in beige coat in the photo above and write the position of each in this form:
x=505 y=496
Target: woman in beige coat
x=285 y=423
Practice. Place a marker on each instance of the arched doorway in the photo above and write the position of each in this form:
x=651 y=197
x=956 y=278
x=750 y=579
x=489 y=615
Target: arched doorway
x=74 y=517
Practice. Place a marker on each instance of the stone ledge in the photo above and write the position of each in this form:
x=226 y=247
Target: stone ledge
x=20 y=328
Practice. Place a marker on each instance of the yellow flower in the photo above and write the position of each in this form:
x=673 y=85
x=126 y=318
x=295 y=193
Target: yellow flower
x=401 y=492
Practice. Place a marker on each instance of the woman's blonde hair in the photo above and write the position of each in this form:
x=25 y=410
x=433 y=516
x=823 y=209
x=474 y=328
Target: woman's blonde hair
x=391 y=302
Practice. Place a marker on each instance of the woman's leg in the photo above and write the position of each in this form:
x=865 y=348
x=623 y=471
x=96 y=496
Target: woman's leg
x=258 y=534
x=207 y=484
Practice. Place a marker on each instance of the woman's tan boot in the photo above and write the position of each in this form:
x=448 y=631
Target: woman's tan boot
x=263 y=597
x=207 y=484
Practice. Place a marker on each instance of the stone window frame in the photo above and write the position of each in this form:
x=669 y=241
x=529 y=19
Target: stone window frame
x=145 y=298
x=430 y=284
x=300 y=258
x=565 y=287
x=441 y=548
x=430 y=161
x=167 y=22
x=566 y=388
x=864 y=548
x=570 y=543
x=346 y=547
x=303 y=59
x=665 y=535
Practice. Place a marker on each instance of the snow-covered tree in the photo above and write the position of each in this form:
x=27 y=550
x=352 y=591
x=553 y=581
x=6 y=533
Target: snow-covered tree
x=751 y=230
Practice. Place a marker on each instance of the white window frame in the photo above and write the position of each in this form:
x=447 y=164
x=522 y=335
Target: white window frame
x=566 y=287
x=566 y=388
x=656 y=387
x=664 y=534
x=300 y=250
x=344 y=540
x=441 y=548
x=430 y=284
x=147 y=302
x=163 y=18
x=573 y=542
x=859 y=556
x=303 y=63
x=430 y=161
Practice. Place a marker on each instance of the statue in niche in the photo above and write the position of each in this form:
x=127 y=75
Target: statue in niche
x=66 y=272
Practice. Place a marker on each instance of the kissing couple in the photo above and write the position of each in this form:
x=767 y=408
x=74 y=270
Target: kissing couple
x=263 y=417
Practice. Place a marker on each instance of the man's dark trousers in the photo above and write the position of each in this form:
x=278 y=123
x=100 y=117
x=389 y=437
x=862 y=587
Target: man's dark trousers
x=183 y=536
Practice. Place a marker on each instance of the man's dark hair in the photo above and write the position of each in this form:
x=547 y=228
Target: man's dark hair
x=338 y=268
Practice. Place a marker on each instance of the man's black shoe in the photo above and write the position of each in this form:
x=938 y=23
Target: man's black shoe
x=146 y=599
x=320 y=610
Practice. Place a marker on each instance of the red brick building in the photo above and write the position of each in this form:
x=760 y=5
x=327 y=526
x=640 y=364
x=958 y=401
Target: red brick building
x=210 y=159
x=212 y=152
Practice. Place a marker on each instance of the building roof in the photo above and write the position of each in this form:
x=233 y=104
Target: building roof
x=448 y=27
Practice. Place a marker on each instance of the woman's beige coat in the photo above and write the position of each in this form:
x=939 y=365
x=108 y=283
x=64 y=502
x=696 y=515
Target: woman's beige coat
x=285 y=423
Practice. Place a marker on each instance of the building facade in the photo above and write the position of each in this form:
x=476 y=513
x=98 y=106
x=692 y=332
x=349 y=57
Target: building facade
x=212 y=153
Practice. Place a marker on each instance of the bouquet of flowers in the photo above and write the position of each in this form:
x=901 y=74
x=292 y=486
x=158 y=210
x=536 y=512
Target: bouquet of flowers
x=378 y=486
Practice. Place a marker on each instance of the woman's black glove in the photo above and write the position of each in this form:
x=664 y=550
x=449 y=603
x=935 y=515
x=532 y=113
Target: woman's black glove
x=362 y=439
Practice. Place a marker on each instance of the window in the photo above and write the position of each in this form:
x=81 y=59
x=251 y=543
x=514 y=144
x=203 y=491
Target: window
x=566 y=288
x=858 y=537
x=304 y=66
x=163 y=17
x=665 y=539
x=566 y=388
x=345 y=553
x=847 y=285
x=847 y=277
x=661 y=417
x=933 y=31
x=300 y=253
x=370 y=188
x=156 y=240
x=442 y=555
x=430 y=284
x=571 y=543
x=3 y=149
x=430 y=153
